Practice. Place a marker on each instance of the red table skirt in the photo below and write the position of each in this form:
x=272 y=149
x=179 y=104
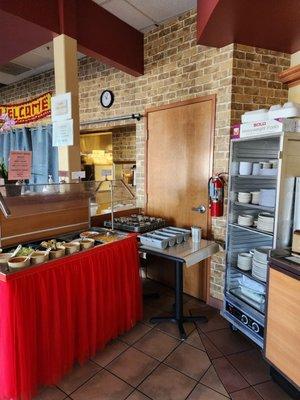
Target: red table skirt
x=63 y=312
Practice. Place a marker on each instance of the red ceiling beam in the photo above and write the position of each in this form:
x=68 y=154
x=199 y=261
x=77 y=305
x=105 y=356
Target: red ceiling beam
x=267 y=24
x=98 y=33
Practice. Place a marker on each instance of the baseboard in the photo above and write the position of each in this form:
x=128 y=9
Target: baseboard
x=216 y=303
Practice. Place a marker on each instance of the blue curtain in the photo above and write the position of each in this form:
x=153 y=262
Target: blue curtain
x=44 y=156
x=39 y=141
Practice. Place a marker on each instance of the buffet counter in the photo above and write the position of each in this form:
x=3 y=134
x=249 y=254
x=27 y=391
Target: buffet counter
x=63 y=311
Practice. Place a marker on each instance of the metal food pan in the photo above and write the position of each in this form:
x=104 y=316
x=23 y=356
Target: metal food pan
x=185 y=232
x=171 y=240
x=179 y=236
x=151 y=241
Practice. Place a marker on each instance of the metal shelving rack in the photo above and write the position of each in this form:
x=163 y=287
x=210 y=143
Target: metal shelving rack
x=243 y=313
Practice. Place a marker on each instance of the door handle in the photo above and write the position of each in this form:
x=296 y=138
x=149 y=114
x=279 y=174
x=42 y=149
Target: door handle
x=200 y=209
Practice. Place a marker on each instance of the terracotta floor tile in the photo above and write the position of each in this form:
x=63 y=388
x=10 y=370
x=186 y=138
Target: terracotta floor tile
x=230 y=377
x=151 y=286
x=157 y=344
x=202 y=392
x=164 y=302
x=135 y=333
x=172 y=329
x=210 y=348
x=215 y=320
x=136 y=395
x=132 y=366
x=148 y=313
x=189 y=360
x=246 y=394
x=271 y=391
x=110 y=352
x=229 y=342
x=167 y=384
x=195 y=340
x=103 y=386
x=50 y=393
x=251 y=365
x=78 y=375
x=211 y=379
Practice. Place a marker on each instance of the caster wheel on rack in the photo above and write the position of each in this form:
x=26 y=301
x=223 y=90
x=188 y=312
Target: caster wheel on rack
x=233 y=328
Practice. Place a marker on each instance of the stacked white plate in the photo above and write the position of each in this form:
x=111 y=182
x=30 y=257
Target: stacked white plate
x=260 y=263
x=265 y=222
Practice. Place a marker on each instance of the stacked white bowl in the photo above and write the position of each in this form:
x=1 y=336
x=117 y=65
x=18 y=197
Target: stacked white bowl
x=245 y=220
x=260 y=263
x=244 y=197
x=244 y=261
x=265 y=222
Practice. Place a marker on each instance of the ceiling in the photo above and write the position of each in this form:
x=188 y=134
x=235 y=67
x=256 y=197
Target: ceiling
x=32 y=63
x=143 y=15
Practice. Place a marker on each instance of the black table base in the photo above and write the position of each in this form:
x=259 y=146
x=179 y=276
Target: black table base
x=178 y=317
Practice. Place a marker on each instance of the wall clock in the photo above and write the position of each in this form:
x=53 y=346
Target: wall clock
x=107 y=98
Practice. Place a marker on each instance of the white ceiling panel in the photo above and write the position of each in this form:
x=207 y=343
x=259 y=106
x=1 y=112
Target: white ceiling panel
x=128 y=13
x=32 y=60
x=160 y=10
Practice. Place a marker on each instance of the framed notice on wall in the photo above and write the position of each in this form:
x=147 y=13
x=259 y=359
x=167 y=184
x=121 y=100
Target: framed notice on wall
x=61 y=107
x=62 y=133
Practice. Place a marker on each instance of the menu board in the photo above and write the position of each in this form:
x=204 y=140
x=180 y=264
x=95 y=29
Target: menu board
x=19 y=165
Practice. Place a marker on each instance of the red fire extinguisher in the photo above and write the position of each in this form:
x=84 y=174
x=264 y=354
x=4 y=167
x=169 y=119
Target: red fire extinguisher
x=216 y=195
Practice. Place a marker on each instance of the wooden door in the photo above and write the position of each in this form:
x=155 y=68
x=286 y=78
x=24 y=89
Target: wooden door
x=179 y=164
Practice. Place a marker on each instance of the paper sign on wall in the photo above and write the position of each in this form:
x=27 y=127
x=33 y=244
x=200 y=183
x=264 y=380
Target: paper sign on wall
x=63 y=133
x=61 y=107
x=19 y=165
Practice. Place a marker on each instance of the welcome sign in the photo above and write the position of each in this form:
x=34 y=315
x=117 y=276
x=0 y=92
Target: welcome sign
x=28 y=111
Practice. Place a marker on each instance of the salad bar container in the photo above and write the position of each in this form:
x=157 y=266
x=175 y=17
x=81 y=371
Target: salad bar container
x=13 y=259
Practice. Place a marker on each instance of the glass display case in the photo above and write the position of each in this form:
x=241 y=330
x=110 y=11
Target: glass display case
x=36 y=211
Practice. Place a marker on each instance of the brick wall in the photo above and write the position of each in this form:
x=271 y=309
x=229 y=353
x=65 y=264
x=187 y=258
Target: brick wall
x=242 y=77
x=124 y=143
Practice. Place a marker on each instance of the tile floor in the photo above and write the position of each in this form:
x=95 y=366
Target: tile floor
x=150 y=362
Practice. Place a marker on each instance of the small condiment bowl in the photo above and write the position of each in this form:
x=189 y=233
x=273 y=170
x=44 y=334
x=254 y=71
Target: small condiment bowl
x=38 y=257
x=60 y=252
x=72 y=247
x=19 y=262
x=87 y=243
x=4 y=257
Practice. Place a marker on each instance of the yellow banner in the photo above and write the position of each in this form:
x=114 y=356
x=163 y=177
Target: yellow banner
x=28 y=111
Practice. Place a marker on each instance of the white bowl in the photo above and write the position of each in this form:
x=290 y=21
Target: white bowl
x=71 y=247
x=60 y=252
x=19 y=262
x=4 y=257
x=87 y=243
x=38 y=257
x=244 y=261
